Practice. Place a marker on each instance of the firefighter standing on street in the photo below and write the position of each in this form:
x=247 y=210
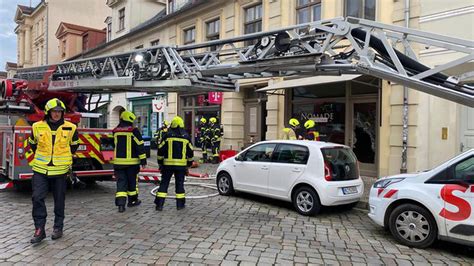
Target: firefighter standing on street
x=129 y=154
x=294 y=131
x=175 y=155
x=311 y=132
x=53 y=142
x=216 y=134
x=204 y=138
x=161 y=131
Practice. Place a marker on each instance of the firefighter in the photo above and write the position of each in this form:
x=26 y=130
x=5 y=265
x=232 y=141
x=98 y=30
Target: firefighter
x=53 y=141
x=175 y=155
x=204 y=138
x=129 y=155
x=215 y=136
x=161 y=131
x=294 y=131
x=311 y=132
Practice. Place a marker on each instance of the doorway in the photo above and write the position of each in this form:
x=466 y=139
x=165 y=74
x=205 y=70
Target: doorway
x=466 y=129
x=363 y=133
x=254 y=122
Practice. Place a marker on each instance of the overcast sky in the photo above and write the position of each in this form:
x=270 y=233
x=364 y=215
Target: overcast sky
x=7 y=25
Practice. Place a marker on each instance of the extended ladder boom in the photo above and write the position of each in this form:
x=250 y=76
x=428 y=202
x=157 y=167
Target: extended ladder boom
x=328 y=47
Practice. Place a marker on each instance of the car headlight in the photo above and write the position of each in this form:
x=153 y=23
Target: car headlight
x=387 y=182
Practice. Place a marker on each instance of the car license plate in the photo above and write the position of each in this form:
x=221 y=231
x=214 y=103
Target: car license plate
x=349 y=190
x=82 y=148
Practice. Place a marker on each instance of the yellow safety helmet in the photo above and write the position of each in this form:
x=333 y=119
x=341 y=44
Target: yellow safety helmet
x=177 y=122
x=309 y=124
x=213 y=120
x=54 y=104
x=128 y=116
x=294 y=122
x=203 y=120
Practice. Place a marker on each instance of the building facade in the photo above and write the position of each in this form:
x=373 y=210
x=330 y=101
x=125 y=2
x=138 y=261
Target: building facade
x=36 y=26
x=357 y=110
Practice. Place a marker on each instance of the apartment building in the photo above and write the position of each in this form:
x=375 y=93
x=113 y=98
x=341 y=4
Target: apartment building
x=36 y=27
x=361 y=111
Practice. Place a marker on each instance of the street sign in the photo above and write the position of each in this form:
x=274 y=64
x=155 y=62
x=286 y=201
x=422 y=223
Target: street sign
x=159 y=105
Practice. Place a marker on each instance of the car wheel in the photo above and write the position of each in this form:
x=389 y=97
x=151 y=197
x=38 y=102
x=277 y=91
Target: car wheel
x=306 y=201
x=224 y=184
x=413 y=226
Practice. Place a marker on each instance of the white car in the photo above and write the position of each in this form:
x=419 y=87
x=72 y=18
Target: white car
x=310 y=174
x=419 y=208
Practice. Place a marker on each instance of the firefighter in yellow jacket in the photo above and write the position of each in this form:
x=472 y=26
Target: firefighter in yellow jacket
x=53 y=141
x=311 y=132
x=175 y=155
x=294 y=131
x=129 y=155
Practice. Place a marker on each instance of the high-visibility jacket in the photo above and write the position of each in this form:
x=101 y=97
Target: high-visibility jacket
x=288 y=134
x=53 y=154
x=160 y=133
x=204 y=135
x=129 y=146
x=215 y=133
x=176 y=149
x=312 y=135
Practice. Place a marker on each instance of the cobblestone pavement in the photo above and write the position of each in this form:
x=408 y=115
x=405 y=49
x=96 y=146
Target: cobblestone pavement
x=242 y=229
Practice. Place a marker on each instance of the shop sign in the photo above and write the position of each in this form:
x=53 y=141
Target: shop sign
x=200 y=100
x=215 y=97
x=159 y=105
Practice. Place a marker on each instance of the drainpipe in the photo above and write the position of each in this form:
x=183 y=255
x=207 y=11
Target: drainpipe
x=403 y=168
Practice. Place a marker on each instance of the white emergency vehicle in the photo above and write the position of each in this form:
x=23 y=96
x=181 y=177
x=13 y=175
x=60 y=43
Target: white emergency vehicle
x=422 y=207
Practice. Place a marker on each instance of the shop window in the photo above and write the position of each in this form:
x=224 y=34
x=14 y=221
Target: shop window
x=308 y=11
x=360 y=9
x=328 y=115
x=253 y=21
x=336 y=89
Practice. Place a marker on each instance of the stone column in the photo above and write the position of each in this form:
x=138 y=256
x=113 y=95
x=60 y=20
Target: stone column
x=28 y=44
x=21 y=48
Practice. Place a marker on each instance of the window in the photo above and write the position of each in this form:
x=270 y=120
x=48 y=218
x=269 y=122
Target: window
x=171 y=6
x=190 y=35
x=155 y=42
x=122 y=19
x=212 y=31
x=253 y=21
x=109 y=31
x=308 y=11
x=464 y=170
x=360 y=9
x=340 y=164
x=287 y=153
x=63 y=49
x=260 y=153
x=85 y=42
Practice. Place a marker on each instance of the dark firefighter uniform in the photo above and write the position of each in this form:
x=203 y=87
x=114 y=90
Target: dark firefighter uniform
x=53 y=142
x=161 y=132
x=204 y=138
x=311 y=132
x=175 y=155
x=129 y=154
x=216 y=134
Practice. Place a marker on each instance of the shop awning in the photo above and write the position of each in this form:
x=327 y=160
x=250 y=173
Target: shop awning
x=293 y=83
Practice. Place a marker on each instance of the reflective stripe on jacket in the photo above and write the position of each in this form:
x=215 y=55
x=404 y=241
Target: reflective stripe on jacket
x=52 y=158
x=129 y=146
x=176 y=149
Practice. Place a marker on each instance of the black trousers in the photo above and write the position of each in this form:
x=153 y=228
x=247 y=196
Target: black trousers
x=41 y=184
x=216 y=146
x=126 y=184
x=204 y=146
x=166 y=173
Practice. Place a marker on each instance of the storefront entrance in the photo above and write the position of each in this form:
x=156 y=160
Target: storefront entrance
x=363 y=134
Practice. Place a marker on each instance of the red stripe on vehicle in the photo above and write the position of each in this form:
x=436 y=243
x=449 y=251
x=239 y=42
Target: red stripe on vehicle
x=379 y=192
x=92 y=148
x=6 y=185
x=25 y=176
x=390 y=193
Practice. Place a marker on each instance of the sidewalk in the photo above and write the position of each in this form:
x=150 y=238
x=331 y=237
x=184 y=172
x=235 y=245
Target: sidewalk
x=210 y=169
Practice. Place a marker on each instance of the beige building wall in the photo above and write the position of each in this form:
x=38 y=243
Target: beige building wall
x=37 y=43
x=425 y=146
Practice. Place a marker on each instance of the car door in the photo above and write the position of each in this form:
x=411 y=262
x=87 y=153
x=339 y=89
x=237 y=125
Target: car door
x=459 y=200
x=253 y=168
x=289 y=163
